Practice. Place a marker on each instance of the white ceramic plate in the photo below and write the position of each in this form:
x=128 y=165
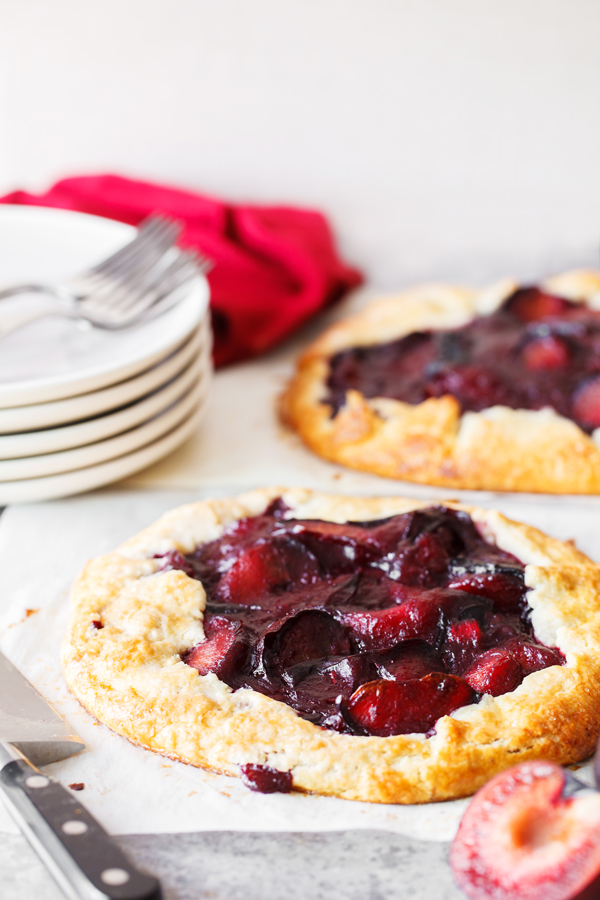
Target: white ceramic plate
x=35 y=489
x=53 y=440
x=99 y=452
x=54 y=358
x=72 y=409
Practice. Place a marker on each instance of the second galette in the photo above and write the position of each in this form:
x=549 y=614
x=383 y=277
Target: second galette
x=497 y=389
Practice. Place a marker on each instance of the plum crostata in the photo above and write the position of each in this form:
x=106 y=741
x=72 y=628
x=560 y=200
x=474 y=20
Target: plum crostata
x=496 y=389
x=373 y=649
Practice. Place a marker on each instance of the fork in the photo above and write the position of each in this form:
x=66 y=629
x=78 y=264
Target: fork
x=143 y=278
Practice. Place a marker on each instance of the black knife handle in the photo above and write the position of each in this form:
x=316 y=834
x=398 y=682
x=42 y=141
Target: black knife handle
x=84 y=860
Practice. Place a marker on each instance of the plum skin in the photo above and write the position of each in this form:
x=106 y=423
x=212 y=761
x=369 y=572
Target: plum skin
x=521 y=837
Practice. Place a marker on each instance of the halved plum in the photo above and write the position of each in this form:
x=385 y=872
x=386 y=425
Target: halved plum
x=528 y=834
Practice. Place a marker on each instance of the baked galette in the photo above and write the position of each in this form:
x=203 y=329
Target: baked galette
x=497 y=389
x=372 y=649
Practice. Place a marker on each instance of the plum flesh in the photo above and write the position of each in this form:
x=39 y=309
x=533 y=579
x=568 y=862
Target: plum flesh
x=532 y=832
x=375 y=628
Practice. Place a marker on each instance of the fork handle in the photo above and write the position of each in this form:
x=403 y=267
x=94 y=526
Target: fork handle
x=58 y=293
x=83 y=859
x=21 y=320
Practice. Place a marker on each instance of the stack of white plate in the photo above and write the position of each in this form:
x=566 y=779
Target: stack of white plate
x=81 y=407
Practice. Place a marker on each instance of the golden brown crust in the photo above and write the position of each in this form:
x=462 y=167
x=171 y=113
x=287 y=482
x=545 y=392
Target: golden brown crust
x=431 y=442
x=130 y=675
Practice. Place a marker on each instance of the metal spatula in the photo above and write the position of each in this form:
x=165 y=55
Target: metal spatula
x=84 y=860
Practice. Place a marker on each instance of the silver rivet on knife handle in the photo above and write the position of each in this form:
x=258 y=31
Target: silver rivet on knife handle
x=84 y=860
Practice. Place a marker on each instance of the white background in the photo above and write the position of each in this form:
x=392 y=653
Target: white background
x=445 y=138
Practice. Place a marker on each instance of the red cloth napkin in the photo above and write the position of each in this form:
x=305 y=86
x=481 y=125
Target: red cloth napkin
x=274 y=266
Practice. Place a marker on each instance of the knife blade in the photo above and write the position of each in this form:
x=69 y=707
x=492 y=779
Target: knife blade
x=30 y=723
x=85 y=862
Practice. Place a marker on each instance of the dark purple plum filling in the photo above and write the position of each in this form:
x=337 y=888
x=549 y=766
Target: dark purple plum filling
x=535 y=351
x=374 y=628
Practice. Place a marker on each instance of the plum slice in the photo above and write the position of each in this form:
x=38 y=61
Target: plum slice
x=586 y=403
x=532 y=304
x=504 y=588
x=337 y=675
x=408 y=661
x=422 y=562
x=531 y=656
x=338 y=547
x=382 y=629
x=475 y=386
x=343 y=547
x=315 y=689
x=307 y=635
x=546 y=352
x=458 y=605
x=176 y=560
x=530 y=833
x=335 y=593
x=495 y=672
x=464 y=641
x=265 y=566
x=265 y=779
x=384 y=708
x=223 y=652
